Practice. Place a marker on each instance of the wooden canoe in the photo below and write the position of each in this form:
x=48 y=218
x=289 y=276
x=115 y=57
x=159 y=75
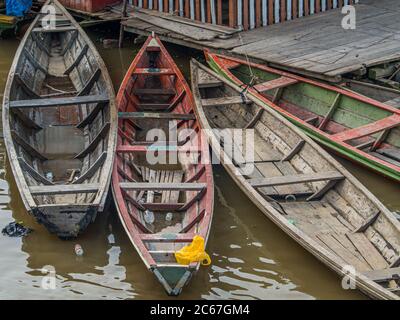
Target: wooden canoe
x=154 y=95
x=359 y=128
x=301 y=188
x=60 y=125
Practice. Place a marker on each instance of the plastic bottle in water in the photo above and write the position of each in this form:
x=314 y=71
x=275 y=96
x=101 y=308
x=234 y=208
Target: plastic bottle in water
x=49 y=176
x=78 y=250
x=168 y=216
x=149 y=217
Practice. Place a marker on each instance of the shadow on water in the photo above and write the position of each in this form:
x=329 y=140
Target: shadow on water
x=251 y=257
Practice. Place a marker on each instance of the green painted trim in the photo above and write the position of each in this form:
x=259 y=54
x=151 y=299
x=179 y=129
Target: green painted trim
x=338 y=148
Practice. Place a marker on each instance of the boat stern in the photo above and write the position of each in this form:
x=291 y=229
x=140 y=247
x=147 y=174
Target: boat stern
x=67 y=221
x=173 y=278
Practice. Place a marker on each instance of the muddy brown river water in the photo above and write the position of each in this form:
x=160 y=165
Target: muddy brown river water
x=251 y=258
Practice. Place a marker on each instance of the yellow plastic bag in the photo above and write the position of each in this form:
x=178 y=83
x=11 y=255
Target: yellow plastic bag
x=194 y=252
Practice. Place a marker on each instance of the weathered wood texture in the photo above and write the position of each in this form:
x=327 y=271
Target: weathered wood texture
x=315 y=45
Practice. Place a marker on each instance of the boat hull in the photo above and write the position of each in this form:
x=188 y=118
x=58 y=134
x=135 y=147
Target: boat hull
x=344 y=150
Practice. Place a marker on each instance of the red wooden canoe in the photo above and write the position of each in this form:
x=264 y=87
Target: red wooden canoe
x=359 y=128
x=162 y=204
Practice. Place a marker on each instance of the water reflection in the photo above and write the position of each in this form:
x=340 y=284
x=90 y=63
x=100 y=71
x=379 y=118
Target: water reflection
x=252 y=259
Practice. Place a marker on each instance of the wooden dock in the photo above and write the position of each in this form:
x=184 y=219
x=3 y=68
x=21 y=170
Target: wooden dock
x=315 y=46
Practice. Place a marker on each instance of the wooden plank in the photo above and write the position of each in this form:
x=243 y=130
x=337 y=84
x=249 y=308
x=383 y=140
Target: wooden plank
x=382 y=136
x=34 y=173
x=91 y=116
x=77 y=60
x=26 y=146
x=393 y=153
x=383 y=275
x=64 y=189
x=214 y=102
x=280 y=82
x=57 y=29
x=342 y=252
x=25 y=119
x=255 y=118
x=367 y=250
x=293 y=179
x=193 y=222
x=153 y=106
x=70 y=42
x=154 y=71
x=163 y=186
x=383 y=124
x=89 y=84
x=28 y=90
x=368 y=222
x=332 y=109
x=155 y=115
x=34 y=62
x=92 y=169
x=58 y=102
x=219 y=12
x=178 y=98
x=245 y=14
x=295 y=150
x=320 y=193
x=93 y=144
x=154 y=147
x=232 y=14
x=168 y=237
x=161 y=91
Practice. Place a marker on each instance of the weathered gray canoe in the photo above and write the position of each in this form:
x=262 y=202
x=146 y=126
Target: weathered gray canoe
x=59 y=125
x=302 y=189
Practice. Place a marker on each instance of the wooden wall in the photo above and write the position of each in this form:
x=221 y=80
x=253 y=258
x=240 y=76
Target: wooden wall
x=246 y=13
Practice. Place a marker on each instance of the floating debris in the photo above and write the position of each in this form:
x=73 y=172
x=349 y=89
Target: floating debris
x=78 y=250
x=15 y=229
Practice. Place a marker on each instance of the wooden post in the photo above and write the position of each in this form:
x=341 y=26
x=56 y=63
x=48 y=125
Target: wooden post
x=245 y=14
x=121 y=28
x=295 y=14
x=198 y=12
x=145 y=4
x=270 y=11
x=317 y=6
x=283 y=11
x=306 y=7
x=187 y=9
x=219 y=12
x=232 y=13
x=258 y=13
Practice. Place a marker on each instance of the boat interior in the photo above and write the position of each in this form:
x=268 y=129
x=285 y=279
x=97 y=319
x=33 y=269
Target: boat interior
x=371 y=129
x=59 y=115
x=165 y=196
x=303 y=186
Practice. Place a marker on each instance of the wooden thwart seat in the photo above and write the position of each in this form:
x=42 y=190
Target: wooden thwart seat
x=58 y=102
x=163 y=186
x=377 y=126
x=293 y=179
x=158 y=148
x=57 y=29
x=214 y=102
x=154 y=115
x=275 y=84
x=154 y=71
x=157 y=91
x=64 y=189
x=383 y=275
x=170 y=237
